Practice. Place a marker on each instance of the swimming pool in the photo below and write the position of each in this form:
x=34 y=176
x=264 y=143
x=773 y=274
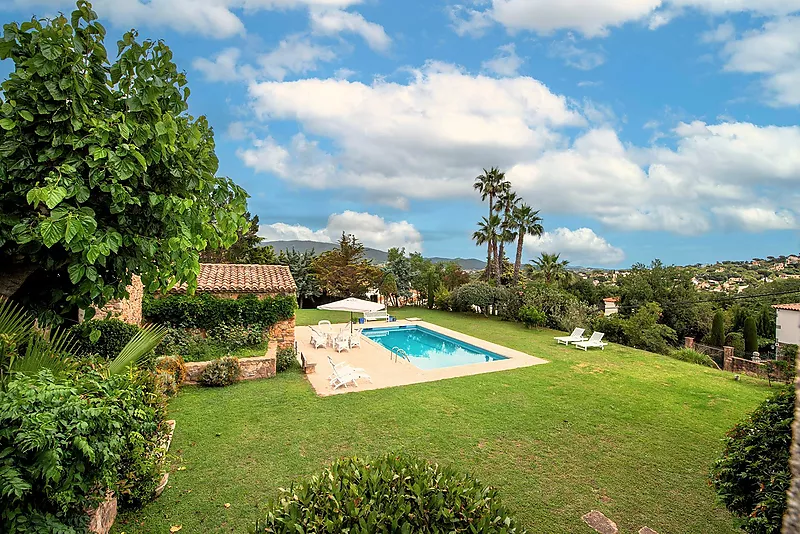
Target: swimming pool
x=428 y=349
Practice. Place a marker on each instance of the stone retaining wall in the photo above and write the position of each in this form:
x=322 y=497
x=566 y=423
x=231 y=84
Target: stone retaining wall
x=252 y=368
x=101 y=519
x=283 y=333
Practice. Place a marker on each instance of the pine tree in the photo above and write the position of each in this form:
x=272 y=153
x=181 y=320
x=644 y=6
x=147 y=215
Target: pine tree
x=718 y=329
x=750 y=335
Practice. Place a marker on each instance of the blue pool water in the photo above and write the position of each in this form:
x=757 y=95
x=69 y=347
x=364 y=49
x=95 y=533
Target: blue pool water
x=430 y=350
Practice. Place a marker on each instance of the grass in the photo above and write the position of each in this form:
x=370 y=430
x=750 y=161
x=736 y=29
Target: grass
x=623 y=431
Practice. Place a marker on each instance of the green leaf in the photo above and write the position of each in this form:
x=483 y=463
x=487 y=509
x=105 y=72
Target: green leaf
x=94 y=336
x=54 y=196
x=50 y=51
x=73 y=229
x=27 y=115
x=139 y=158
x=76 y=272
x=51 y=232
x=8 y=124
x=124 y=131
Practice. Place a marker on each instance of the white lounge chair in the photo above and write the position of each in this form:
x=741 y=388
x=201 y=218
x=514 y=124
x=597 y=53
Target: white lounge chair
x=592 y=342
x=574 y=337
x=343 y=374
x=318 y=339
x=377 y=315
x=342 y=341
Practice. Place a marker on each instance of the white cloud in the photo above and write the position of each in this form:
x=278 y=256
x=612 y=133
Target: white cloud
x=419 y=139
x=597 y=17
x=724 y=32
x=372 y=230
x=575 y=56
x=213 y=18
x=334 y=22
x=756 y=219
x=506 y=62
x=295 y=54
x=581 y=246
x=774 y=52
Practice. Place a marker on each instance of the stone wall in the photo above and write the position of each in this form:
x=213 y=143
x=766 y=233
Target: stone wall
x=101 y=519
x=128 y=310
x=283 y=333
x=252 y=368
x=791 y=520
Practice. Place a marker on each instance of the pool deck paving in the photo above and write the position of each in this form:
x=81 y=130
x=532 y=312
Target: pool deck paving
x=385 y=372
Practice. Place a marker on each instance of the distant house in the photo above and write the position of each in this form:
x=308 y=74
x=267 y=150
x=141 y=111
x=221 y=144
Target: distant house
x=229 y=280
x=610 y=306
x=787 y=325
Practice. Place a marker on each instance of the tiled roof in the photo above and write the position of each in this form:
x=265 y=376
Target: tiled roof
x=793 y=307
x=243 y=278
x=611 y=299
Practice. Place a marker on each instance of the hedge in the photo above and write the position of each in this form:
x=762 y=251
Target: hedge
x=114 y=335
x=207 y=311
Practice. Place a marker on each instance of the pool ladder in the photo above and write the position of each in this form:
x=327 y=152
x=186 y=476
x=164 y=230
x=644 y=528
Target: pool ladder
x=398 y=352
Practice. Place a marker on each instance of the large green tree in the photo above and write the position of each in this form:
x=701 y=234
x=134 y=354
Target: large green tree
x=247 y=249
x=550 y=267
x=507 y=202
x=344 y=271
x=524 y=221
x=301 y=264
x=490 y=184
x=103 y=173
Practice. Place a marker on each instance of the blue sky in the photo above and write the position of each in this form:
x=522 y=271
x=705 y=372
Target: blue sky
x=639 y=128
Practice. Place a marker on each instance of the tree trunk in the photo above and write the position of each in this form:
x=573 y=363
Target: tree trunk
x=791 y=519
x=497 y=271
x=501 y=254
x=489 y=263
x=13 y=276
x=518 y=261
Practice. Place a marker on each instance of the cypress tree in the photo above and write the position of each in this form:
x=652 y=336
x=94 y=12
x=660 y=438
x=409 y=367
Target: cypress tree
x=750 y=335
x=718 y=329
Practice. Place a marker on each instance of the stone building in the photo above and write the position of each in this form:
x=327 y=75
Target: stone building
x=128 y=310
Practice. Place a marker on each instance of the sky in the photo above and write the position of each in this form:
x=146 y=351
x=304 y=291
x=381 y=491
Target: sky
x=640 y=129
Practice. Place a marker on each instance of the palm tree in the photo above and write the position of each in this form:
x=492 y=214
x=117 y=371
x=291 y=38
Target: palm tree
x=524 y=221
x=550 y=267
x=486 y=234
x=489 y=184
x=507 y=201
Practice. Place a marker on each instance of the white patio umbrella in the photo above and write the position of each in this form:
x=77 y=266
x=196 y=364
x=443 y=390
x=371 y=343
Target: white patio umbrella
x=352 y=305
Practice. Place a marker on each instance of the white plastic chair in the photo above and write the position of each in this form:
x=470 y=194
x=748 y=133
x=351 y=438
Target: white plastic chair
x=342 y=341
x=574 y=337
x=355 y=339
x=318 y=339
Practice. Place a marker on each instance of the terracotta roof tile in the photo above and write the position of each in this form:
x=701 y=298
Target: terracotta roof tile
x=242 y=278
x=611 y=299
x=793 y=307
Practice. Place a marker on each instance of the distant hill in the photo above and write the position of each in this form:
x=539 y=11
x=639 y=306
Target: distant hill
x=377 y=256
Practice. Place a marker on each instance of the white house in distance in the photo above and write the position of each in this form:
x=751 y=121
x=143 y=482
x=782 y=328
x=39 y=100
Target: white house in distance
x=787 y=325
x=610 y=306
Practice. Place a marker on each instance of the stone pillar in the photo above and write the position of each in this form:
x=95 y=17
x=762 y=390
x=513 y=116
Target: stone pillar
x=283 y=333
x=128 y=310
x=689 y=342
x=727 y=359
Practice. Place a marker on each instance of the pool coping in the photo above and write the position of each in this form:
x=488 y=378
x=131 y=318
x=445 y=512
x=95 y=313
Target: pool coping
x=376 y=361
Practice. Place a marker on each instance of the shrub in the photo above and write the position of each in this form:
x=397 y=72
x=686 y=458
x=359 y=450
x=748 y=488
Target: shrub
x=234 y=336
x=550 y=299
x=717 y=335
x=477 y=294
x=692 y=356
x=165 y=382
x=508 y=302
x=222 y=372
x=752 y=476
x=613 y=326
x=114 y=335
x=176 y=341
x=388 y=494
x=750 y=335
x=644 y=332
x=207 y=311
x=443 y=299
x=65 y=441
x=531 y=317
x=173 y=365
x=574 y=314
x=735 y=340
x=286 y=359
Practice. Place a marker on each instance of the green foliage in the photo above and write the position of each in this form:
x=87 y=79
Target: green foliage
x=735 y=340
x=443 y=299
x=453 y=276
x=65 y=441
x=222 y=372
x=114 y=335
x=301 y=265
x=550 y=268
x=206 y=311
x=717 y=337
x=176 y=341
x=507 y=302
x=286 y=360
x=692 y=356
x=575 y=314
x=478 y=294
x=388 y=494
x=165 y=383
x=531 y=317
x=237 y=336
x=752 y=476
x=613 y=326
x=644 y=332
x=344 y=271
x=103 y=173
x=551 y=299
x=246 y=249
x=750 y=335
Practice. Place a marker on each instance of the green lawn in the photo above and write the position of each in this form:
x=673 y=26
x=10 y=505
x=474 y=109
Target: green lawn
x=624 y=431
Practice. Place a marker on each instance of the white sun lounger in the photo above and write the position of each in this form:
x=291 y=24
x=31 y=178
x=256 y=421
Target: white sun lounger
x=318 y=339
x=593 y=341
x=344 y=374
x=574 y=337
